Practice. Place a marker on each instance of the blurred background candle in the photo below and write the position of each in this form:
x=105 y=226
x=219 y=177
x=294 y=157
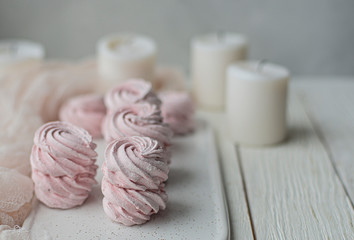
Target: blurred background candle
x=16 y=52
x=256 y=94
x=211 y=54
x=125 y=56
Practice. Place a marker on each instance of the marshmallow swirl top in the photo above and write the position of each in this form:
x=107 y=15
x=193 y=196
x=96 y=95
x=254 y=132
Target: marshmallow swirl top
x=86 y=111
x=137 y=120
x=138 y=163
x=62 y=149
x=63 y=164
x=130 y=92
x=178 y=111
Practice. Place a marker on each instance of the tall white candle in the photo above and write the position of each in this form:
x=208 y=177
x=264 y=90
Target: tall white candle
x=125 y=56
x=256 y=102
x=15 y=52
x=211 y=54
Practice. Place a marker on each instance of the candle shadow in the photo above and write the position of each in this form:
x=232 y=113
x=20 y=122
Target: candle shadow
x=298 y=134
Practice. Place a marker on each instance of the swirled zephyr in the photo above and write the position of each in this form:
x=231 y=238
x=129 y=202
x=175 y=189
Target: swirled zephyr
x=131 y=207
x=134 y=171
x=63 y=164
x=178 y=111
x=138 y=163
x=137 y=120
x=130 y=92
x=86 y=111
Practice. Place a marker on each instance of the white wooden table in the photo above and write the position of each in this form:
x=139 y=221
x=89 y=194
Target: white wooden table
x=304 y=187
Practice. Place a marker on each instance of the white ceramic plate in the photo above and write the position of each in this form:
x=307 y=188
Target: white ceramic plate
x=196 y=208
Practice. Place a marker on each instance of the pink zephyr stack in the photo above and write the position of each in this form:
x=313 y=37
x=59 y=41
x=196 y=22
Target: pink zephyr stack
x=63 y=164
x=136 y=159
x=138 y=128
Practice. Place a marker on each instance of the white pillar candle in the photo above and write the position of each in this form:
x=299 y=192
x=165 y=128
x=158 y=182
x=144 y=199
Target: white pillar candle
x=256 y=102
x=211 y=54
x=125 y=56
x=16 y=52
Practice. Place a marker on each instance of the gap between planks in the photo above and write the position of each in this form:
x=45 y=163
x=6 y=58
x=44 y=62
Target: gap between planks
x=325 y=144
x=292 y=188
x=237 y=150
x=329 y=103
x=240 y=221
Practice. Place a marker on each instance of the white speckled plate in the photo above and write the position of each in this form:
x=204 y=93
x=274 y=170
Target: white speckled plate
x=196 y=208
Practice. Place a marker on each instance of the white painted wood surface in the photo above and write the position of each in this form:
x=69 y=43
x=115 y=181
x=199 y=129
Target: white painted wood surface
x=294 y=190
x=330 y=105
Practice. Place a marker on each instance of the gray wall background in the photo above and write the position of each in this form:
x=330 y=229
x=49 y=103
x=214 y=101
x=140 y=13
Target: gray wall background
x=308 y=36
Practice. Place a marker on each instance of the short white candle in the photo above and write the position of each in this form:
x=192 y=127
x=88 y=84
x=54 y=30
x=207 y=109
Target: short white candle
x=125 y=56
x=14 y=52
x=256 y=95
x=211 y=54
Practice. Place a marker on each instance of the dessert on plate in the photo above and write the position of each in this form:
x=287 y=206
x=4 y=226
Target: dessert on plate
x=63 y=164
x=142 y=119
x=131 y=207
x=136 y=163
x=86 y=111
x=178 y=111
x=134 y=171
x=130 y=92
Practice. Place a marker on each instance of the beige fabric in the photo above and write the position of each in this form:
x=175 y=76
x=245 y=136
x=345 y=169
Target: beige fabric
x=16 y=233
x=16 y=192
x=30 y=95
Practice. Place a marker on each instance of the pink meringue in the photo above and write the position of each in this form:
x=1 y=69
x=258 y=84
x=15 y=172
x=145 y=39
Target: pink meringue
x=63 y=164
x=134 y=171
x=141 y=119
x=130 y=92
x=178 y=111
x=138 y=163
x=86 y=111
x=131 y=207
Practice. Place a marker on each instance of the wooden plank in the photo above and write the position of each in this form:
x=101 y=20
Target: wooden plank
x=238 y=210
x=330 y=105
x=293 y=190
